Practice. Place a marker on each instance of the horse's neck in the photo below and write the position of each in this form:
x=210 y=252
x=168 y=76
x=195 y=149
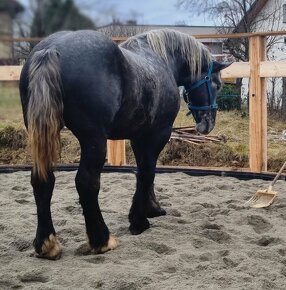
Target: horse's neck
x=142 y=59
x=133 y=60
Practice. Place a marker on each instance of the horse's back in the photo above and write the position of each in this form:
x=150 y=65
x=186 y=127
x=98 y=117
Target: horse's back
x=84 y=55
x=81 y=44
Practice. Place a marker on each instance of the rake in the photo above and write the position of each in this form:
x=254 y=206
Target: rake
x=265 y=197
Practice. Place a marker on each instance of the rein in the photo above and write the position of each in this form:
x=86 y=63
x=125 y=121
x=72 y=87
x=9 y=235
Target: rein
x=189 y=88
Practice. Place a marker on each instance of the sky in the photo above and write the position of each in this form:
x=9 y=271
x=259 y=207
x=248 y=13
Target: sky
x=158 y=12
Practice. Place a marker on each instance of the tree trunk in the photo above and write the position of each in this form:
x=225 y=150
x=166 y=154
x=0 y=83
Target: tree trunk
x=283 y=99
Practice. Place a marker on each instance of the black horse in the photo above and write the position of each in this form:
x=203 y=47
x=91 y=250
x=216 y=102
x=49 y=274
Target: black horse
x=101 y=91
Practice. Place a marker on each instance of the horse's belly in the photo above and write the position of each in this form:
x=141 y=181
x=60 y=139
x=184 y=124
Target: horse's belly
x=125 y=130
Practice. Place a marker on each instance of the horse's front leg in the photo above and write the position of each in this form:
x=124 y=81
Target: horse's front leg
x=88 y=185
x=46 y=243
x=153 y=208
x=146 y=150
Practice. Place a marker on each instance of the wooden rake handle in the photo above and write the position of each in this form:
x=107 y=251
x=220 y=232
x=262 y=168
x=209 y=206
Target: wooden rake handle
x=277 y=176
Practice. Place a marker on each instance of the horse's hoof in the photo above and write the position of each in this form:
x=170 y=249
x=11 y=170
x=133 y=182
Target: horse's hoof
x=111 y=245
x=138 y=228
x=51 y=248
x=155 y=212
x=87 y=249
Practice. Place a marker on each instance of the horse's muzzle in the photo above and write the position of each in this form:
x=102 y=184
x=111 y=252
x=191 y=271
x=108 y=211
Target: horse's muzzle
x=206 y=124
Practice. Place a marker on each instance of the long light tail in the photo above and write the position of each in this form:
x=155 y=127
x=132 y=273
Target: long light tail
x=45 y=110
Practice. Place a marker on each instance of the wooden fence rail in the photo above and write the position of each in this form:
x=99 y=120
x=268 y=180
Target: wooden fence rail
x=257 y=69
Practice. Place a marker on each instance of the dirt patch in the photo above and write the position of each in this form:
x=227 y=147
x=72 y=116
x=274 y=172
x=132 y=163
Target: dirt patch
x=15 y=150
x=13 y=146
x=210 y=154
x=13 y=138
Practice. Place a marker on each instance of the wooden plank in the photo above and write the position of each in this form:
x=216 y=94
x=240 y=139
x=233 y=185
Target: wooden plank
x=267 y=69
x=241 y=35
x=20 y=39
x=116 y=152
x=273 y=69
x=199 y=36
x=10 y=72
x=119 y=39
x=236 y=70
x=257 y=107
x=227 y=169
x=116 y=39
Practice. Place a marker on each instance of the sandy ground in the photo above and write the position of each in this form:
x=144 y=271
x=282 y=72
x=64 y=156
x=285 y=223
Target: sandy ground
x=208 y=240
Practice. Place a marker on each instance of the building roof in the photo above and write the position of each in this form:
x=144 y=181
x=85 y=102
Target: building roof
x=251 y=14
x=116 y=30
x=11 y=6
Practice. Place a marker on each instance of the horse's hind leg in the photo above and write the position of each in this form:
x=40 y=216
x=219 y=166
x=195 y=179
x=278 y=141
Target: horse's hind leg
x=93 y=154
x=146 y=150
x=46 y=243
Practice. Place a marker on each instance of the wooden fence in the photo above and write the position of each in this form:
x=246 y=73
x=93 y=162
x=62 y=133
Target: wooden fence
x=257 y=69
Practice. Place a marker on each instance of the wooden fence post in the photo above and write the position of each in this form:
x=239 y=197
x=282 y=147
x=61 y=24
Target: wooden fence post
x=257 y=107
x=116 y=152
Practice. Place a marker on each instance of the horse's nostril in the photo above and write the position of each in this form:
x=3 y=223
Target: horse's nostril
x=207 y=116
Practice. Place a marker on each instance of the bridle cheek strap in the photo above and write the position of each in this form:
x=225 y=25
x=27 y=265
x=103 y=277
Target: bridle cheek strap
x=205 y=81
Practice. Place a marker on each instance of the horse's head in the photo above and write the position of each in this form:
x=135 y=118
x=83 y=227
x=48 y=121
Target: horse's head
x=201 y=97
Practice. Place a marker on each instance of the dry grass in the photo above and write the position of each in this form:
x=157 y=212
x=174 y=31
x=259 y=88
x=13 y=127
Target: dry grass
x=233 y=125
x=10 y=106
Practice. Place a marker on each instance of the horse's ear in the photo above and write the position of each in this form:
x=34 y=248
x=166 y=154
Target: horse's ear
x=218 y=66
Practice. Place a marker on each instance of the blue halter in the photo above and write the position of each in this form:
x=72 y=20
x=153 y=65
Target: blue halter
x=206 y=80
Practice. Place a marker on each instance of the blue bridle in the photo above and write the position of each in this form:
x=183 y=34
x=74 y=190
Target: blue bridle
x=206 y=80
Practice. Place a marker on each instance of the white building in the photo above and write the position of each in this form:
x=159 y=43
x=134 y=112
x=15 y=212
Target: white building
x=270 y=15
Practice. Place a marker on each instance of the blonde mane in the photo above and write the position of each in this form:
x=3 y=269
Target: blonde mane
x=167 y=41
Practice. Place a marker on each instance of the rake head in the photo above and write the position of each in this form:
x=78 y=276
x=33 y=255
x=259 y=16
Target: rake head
x=262 y=198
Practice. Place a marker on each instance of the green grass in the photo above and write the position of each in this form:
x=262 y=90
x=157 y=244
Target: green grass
x=10 y=106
